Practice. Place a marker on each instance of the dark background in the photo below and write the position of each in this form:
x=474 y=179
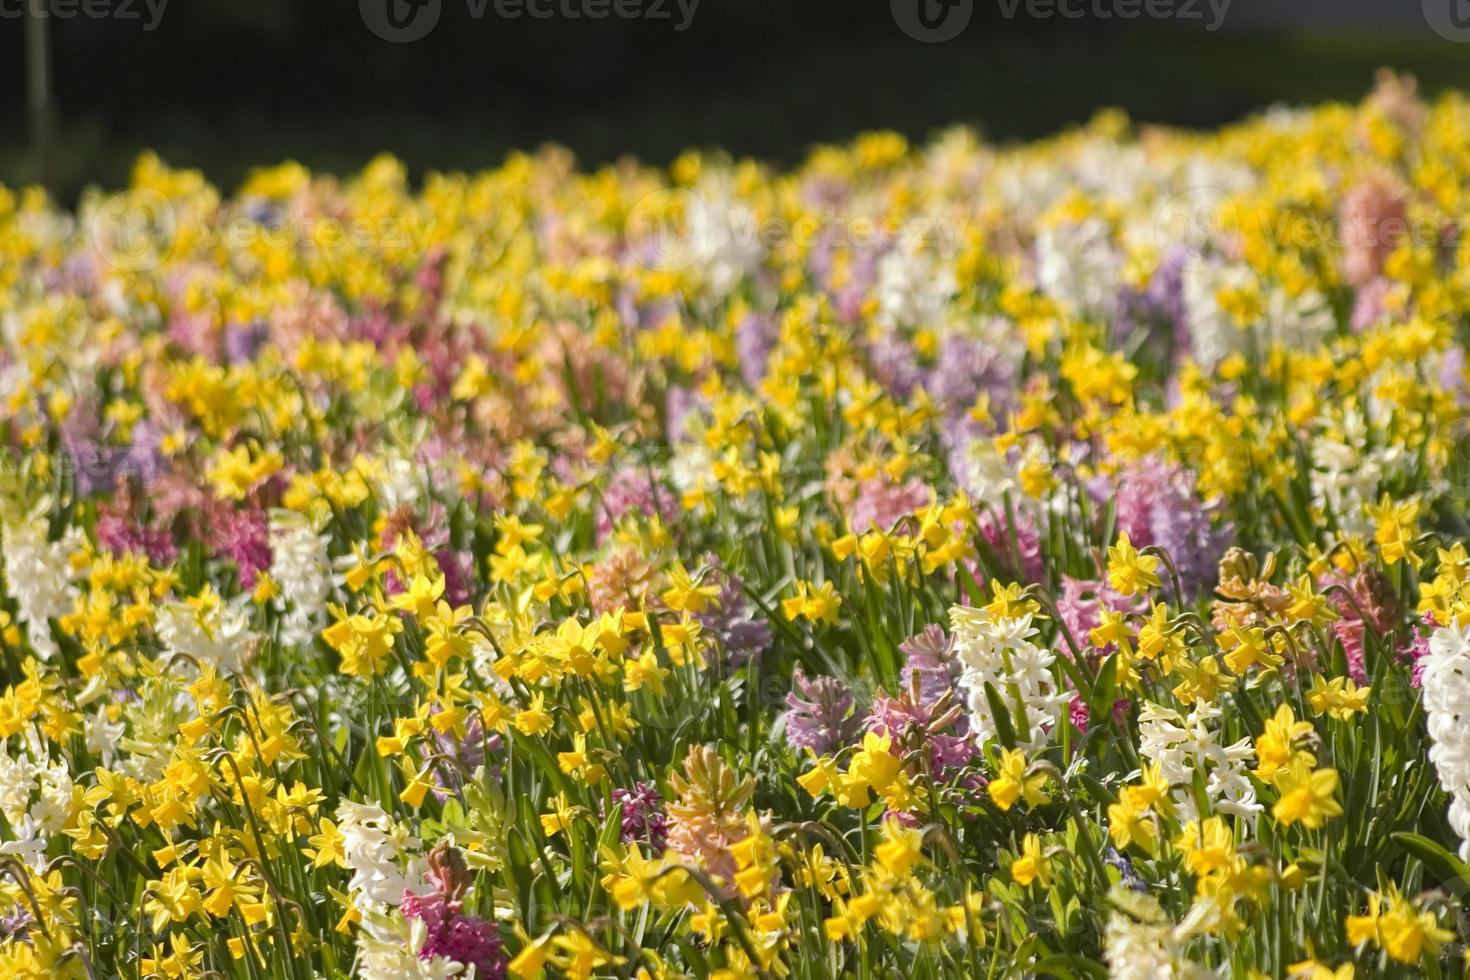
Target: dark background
x=229 y=85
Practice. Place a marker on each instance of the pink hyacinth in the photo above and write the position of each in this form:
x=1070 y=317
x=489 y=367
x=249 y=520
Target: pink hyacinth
x=243 y=536
x=634 y=491
x=880 y=503
x=1374 y=217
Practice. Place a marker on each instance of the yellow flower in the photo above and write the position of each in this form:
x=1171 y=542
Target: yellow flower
x=528 y=962
x=872 y=767
x=1127 y=824
x=1156 y=639
x=1276 y=747
x=1338 y=698
x=1207 y=846
x=326 y=847
x=1394 y=925
x=560 y=818
x=901 y=847
x=1313 y=970
x=1011 y=782
x=1246 y=647
x=683 y=595
x=1406 y=931
x=578 y=955
x=1031 y=864
x=644 y=672
x=1396 y=526
x=1306 y=795
x=817 y=603
x=1130 y=572
x=534 y=719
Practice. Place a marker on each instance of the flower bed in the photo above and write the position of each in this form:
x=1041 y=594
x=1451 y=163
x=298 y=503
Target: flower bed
x=951 y=560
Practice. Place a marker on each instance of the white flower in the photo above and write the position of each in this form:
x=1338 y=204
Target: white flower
x=389 y=948
x=1293 y=321
x=213 y=631
x=17 y=780
x=38 y=575
x=913 y=288
x=1148 y=947
x=102 y=735
x=724 y=236
x=1446 y=691
x=36 y=799
x=1077 y=264
x=378 y=852
x=1000 y=652
x=1182 y=747
x=399 y=482
x=29 y=845
x=301 y=568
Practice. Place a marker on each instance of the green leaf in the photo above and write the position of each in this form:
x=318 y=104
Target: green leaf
x=1105 y=689
x=1453 y=873
x=1004 y=730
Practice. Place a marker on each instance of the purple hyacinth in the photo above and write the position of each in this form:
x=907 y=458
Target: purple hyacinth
x=967 y=368
x=930 y=658
x=145 y=454
x=996 y=528
x=1157 y=506
x=729 y=619
x=820 y=718
x=1157 y=311
x=468 y=753
x=755 y=335
x=121 y=535
x=930 y=666
x=243 y=340
x=1081 y=604
x=643 y=818
x=896 y=366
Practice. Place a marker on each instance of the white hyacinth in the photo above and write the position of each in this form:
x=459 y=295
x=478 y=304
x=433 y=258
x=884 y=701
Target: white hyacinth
x=1182 y=747
x=1446 y=689
x=36 y=799
x=379 y=853
x=1078 y=265
x=1146 y=945
x=1296 y=322
x=1000 y=652
x=913 y=287
x=214 y=632
x=301 y=568
x=38 y=576
x=389 y=948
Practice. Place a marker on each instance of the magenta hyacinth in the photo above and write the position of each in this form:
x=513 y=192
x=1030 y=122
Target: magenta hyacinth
x=468 y=939
x=643 y=820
